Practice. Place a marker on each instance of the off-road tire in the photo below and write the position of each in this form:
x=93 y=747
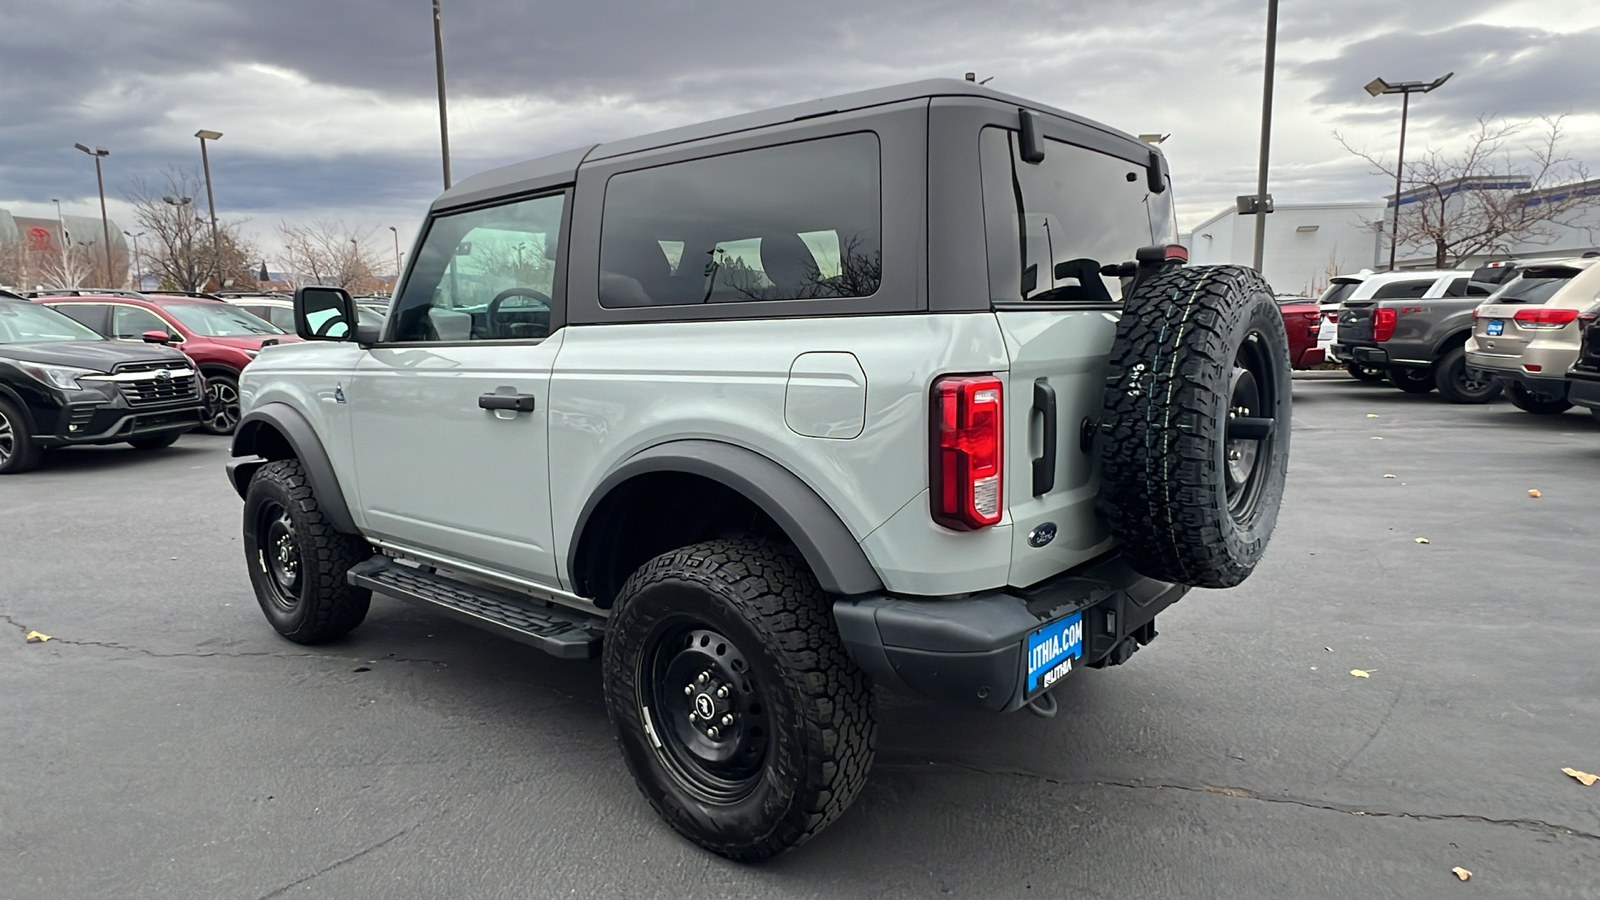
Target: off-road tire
x=321 y=606
x=1450 y=373
x=820 y=733
x=1364 y=374
x=155 y=443
x=1413 y=379
x=1536 y=403
x=1166 y=487
x=21 y=452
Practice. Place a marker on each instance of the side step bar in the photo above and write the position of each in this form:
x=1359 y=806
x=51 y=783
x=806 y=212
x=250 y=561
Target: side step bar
x=558 y=631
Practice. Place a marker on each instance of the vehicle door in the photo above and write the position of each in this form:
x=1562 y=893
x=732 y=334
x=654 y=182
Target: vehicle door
x=449 y=413
x=1051 y=225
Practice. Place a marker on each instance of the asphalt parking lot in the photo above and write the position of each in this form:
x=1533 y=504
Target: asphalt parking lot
x=167 y=744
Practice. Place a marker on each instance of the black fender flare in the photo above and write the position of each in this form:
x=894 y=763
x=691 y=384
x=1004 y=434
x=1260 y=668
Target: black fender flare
x=832 y=552
x=303 y=444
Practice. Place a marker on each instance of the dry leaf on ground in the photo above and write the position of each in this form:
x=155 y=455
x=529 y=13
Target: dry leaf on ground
x=1372 y=415
x=1534 y=492
x=1461 y=873
x=1587 y=779
x=1361 y=673
x=1422 y=540
x=37 y=637
x=1377 y=438
x=1388 y=476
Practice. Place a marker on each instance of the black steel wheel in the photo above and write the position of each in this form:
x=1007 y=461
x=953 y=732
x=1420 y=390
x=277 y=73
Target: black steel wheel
x=297 y=562
x=1458 y=384
x=1251 y=430
x=743 y=720
x=19 y=452
x=222 y=405
x=1412 y=379
x=1364 y=374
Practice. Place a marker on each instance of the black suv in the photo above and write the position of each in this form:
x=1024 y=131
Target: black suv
x=62 y=384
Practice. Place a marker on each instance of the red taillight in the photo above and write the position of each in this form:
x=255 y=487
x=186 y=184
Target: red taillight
x=1383 y=324
x=967 y=463
x=1539 y=317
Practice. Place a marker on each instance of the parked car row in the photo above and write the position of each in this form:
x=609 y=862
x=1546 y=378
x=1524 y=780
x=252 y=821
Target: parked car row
x=1509 y=327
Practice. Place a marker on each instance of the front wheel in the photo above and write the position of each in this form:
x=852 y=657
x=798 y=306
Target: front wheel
x=743 y=720
x=1537 y=403
x=19 y=452
x=222 y=405
x=1458 y=385
x=1413 y=380
x=1364 y=374
x=297 y=561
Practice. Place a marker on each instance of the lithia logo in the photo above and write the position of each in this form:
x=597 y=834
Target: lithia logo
x=1068 y=641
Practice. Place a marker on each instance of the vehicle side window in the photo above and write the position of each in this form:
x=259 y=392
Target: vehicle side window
x=1457 y=288
x=1475 y=289
x=484 y=275
x=129 y=323
x=91 y=314
x=281 y=316
x=1403 y=290
x=800 y=221
x=1052 y=225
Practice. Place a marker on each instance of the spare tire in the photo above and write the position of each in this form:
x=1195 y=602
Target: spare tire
x=1195 y=428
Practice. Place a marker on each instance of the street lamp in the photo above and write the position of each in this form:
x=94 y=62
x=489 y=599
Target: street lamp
x=61 y=224
x=137 y=276
x=211 y=201
x=438 y=63
x=1405 y=89
x=100 y=153
x=396 y=253
x=1266 y=132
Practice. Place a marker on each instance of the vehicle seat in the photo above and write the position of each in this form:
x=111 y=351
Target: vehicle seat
x=450 y=324
x=789 y=265
x=634 y=272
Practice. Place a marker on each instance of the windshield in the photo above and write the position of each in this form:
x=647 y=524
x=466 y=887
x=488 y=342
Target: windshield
x=1337 y=292
x=29 y=323
x=1529 y=290
x=220 y=320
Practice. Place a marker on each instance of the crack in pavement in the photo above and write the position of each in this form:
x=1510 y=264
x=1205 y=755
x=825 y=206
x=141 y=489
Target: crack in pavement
x=1243 y=794
x=334 y=865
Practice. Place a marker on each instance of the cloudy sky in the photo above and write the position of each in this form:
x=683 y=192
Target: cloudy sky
x=328 y=106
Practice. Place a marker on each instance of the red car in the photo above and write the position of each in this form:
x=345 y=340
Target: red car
x=221 y=338
x=1302 y=319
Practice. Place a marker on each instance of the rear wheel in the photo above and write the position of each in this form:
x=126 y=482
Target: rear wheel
x=297 y=561
x=742 y=718
x=1457 y=385
x=1539 y=404
x=1412 y=380
x=1367 y=374
x=19 y=452
x=222 y=404
x=155 y=443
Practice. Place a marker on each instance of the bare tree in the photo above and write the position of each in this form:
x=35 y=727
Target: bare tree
x=184 y=257
x=14 y=268
x=1463 y=206
x=70 y=266
x=331 y=253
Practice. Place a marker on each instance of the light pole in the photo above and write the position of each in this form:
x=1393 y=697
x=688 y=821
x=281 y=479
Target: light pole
x=61 y=225
x=438 y=64
x=1266 y=132
x=137 y=276
x=100 y=153
x=1405 y=89
x=211 y=201
x=396 y=253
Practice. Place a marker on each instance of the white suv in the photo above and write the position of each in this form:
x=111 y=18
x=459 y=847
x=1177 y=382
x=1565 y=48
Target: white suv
x=907 y=387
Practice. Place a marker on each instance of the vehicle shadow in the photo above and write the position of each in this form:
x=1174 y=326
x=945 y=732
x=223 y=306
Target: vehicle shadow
x=69 y=459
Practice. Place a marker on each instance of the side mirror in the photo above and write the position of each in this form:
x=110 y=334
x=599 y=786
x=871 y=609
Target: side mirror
x=323 y=313
x=156 y=337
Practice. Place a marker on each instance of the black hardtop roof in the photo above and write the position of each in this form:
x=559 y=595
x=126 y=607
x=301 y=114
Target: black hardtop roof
x=540 y=172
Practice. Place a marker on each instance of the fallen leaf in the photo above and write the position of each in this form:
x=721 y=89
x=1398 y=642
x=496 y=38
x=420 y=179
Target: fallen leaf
x=1329 y=649
x=1388 y=476
x=1377 y=438
x=1461 y=873
x=1372 y=415
x=1361 y=673
x=1534 y=492
x=35 y=637
x=1587 y=779
x=1422 y=540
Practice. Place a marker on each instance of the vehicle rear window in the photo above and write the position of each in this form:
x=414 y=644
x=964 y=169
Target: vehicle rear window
x=1337 y=292
x=1052 y=225
x=220 y=320
x=1402 y=290
x=1528 y=289
x=797 y=222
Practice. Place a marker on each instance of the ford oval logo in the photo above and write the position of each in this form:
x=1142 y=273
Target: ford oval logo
x=1042 y=535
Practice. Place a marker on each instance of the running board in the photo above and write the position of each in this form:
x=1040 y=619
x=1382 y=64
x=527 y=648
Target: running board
x=557 y=630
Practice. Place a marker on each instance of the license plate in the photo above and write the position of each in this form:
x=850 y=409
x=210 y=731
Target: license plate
x=1051 y=651
x=1495 y=328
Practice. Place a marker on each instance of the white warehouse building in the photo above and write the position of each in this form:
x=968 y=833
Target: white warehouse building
x=1306 y=243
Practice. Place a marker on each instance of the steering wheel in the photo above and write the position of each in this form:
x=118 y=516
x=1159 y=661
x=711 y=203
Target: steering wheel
x=326 y=329
x=494 y=305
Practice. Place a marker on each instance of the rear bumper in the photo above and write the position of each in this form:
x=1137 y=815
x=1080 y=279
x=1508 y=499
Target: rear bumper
x=970 y=651
x=1583 y=388
x=1312 y=356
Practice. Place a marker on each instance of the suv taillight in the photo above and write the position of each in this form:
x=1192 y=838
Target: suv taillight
x=965 y=477
x=1383 y=324
x=1545 y=318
